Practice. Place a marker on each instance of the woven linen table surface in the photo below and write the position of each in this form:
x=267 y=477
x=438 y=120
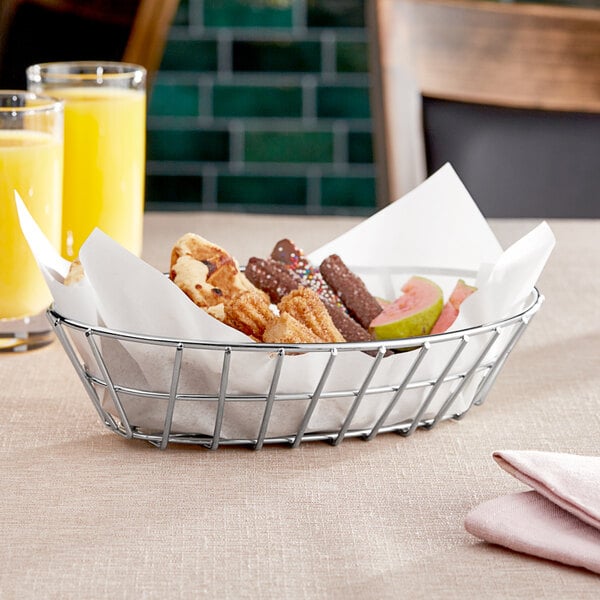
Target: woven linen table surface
x=87 y=514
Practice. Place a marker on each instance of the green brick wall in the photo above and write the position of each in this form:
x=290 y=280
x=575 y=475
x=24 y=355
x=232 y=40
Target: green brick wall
x=263 y=105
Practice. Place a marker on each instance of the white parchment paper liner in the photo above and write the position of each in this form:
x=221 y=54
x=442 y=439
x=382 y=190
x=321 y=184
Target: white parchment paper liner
x=436 y=227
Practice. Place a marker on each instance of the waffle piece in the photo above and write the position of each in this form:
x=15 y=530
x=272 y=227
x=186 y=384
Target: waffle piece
x=220 y=272
x=286 y=252
x=272 y=277
x=191 y=277
x=304 y=305
x=350 y=289
x=285 y=329
x=249 y=313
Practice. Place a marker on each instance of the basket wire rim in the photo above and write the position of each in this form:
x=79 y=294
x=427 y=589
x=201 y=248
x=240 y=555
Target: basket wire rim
x=398 y=343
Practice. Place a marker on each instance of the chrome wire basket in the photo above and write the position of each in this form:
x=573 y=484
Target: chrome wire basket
x=467 y=365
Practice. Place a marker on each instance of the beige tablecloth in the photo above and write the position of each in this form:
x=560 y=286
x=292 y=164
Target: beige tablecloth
x=87 y=514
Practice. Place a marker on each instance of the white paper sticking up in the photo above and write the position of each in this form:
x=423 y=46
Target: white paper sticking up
x=503 y=286
x=76 y=301
x=436 y=226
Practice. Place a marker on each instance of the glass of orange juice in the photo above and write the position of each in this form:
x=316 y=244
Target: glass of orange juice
x=105 y=148
x=31 y=163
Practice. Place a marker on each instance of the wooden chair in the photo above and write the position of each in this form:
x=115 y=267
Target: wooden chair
x=508 y=93
x=54 y=30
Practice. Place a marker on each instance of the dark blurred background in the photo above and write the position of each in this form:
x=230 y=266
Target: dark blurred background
x=258 y=105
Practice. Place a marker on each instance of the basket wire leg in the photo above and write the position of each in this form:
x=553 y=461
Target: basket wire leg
x=468 y=376
x=417 y=419
x=361 y=393
x=90 y=389
x=270 y=399
x=479 y=397
x=172 y=396
x=386 y=413
x=109 y=384
x=222 y=394
x=315 y=398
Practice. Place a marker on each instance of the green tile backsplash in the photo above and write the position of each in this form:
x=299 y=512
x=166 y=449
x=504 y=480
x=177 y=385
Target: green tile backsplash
x=188 y=145
x=335 y=13
x=233 y=13
x=343 y=102
x=174 y=192
x=289 y=147
x=360 y=149
x=189 y=54
x=347 y=192
x=281 y=56
x=262 y=191
x=352 y=57
x=257 y=101
x=174 y=99
x=263 y=105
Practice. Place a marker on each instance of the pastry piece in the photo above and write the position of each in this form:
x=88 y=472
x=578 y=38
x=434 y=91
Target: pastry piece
x=272 y=277
x=350 y=289
x=75 y=273
x=200 y=249
x=285 y=329
x=217 y=311
x=223 y=272
x=191 y=276
x=286 y=252
x=304 y=305
x=249 y=313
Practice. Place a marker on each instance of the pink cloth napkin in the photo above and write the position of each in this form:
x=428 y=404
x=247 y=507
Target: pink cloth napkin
x=559 y=520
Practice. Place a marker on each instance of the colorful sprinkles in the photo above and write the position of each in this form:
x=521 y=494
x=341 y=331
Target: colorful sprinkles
x=287 y=252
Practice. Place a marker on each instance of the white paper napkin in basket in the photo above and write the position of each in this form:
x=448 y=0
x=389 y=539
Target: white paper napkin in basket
x=436 y=226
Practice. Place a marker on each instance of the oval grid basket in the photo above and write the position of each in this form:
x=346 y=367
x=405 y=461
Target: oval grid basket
x=461 y=382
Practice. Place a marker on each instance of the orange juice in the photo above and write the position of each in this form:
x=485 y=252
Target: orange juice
x=31 y=163
x=105 y=137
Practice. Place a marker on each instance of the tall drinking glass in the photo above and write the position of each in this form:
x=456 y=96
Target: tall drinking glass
x=105 y=144
x=31 y=163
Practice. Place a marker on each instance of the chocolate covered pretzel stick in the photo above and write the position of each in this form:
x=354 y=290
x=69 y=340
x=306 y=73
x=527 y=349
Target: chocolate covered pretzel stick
x=347 y=326
x=287 y=253
x=350 y=289
x=272 y=277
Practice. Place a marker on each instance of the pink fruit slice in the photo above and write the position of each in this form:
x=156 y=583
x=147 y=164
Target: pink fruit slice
x=451 y=308
x=412 y=314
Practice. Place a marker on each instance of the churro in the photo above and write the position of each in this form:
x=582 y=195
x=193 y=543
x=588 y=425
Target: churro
x=304 y=305
x=249 y=313
x=285 y=329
